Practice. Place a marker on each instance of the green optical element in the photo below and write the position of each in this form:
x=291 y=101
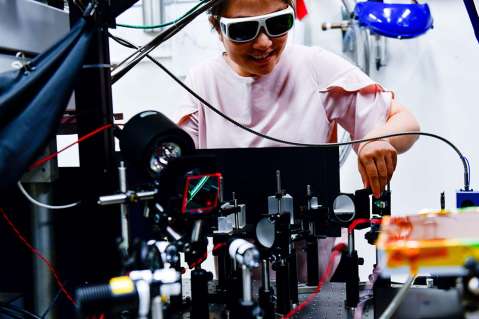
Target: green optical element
x=197 y=188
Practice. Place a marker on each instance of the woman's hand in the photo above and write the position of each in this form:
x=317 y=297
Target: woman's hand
x=376 y=162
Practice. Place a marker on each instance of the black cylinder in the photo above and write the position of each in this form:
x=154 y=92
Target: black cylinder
x=266 y=302
x=235 y=284
x=224 y=270
x=176 y=302
x=352 y=283
x=312 y=261
x=199 y=293
x=293 y=277
x=100 y=299
x=283 y=301
x=145 y=131
x=224 y=262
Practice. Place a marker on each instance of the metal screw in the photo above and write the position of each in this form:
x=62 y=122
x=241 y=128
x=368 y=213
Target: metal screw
x=429 y=282
x=473 y=285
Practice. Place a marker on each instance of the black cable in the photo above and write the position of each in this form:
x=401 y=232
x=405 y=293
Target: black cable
x=212 y=108
x=17 y=310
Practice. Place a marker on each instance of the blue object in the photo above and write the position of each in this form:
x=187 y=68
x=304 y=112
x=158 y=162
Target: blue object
x=32 y=101
x=394 y=20
x=467 y=199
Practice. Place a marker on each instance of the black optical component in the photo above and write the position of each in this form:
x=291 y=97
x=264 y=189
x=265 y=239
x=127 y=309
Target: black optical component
x=150 y=140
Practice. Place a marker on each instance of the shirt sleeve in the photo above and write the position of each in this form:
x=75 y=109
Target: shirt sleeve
x=187 y=115
x=357 y=103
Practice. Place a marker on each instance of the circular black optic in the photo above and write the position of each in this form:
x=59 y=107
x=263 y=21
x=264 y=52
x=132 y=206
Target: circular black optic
x=150 y=140
x=162 y=154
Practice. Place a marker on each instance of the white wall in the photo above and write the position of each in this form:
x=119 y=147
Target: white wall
x=434 y=75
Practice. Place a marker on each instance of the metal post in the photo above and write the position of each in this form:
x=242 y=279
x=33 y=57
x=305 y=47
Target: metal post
x=279 y=190
x=352 y=283
x=235 y=203
x=94 y=107
x=125 y=230
x=351 y=243
x=312 y=260
x=157 y=308
x=265 y=297
x=293 y=277
x=42 y=239
x=199 y=293
x=283 y=301
x=246 y=274
x=265 y=275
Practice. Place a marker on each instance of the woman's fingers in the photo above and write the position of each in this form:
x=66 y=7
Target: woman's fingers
x=364 y=175
x=377 y=162
x=373 y=176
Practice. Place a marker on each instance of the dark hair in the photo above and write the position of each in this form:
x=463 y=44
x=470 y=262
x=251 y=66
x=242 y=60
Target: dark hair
x=218 y=10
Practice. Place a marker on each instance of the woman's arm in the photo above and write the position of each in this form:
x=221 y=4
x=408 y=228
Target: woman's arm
x=189 y=123
x=377 y=159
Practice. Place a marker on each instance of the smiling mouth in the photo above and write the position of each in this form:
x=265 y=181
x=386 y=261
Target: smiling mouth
x=262 y=56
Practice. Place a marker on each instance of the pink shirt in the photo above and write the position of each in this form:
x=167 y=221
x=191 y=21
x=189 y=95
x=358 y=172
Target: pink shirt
x=304 y=96
x=308 y=92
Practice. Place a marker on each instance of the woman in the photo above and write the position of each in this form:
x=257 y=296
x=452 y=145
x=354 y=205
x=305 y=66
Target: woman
x=290 y=92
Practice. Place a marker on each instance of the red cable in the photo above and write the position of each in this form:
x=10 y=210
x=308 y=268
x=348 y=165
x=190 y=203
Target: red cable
x=356 y=223
x=218 y=247
x=336 y=250
x=360 y=221
x=39 y=255
x=55 y=154
x=205 y=255
x=199 y=260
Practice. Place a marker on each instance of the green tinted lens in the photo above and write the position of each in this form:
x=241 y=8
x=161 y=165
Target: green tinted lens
x=279 y=25
x=243 y=31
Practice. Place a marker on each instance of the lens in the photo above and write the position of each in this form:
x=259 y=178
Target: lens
x=251 y=258
x=162 y=154
x=243 y=31
x=279 y=25
x=171 y=254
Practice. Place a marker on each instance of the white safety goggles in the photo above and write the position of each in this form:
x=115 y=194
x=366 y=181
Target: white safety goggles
x=246 y=29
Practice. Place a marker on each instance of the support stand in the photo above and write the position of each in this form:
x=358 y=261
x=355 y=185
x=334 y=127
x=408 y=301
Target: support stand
x=352 y=283
x=312 y=260
x=224 y=262
x=293 y=277
x=266 y=293
x=283 y=301
x=282 y=250
x=199 y=293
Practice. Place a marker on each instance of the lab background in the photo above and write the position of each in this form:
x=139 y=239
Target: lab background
x=434 y=75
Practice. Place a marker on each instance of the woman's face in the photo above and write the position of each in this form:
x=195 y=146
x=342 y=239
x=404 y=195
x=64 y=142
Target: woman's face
x=259 y=56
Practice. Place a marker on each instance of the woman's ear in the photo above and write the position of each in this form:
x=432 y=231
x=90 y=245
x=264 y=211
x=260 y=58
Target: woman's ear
x=215 y=23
